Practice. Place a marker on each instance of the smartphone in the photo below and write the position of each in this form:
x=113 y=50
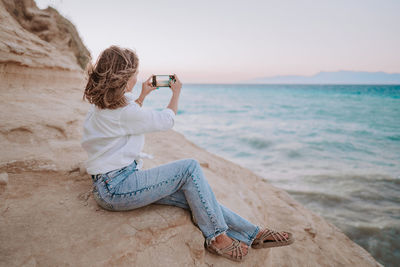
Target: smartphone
x=162 y=80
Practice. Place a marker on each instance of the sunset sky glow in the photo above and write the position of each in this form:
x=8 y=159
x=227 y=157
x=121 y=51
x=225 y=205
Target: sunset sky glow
x=231 y=41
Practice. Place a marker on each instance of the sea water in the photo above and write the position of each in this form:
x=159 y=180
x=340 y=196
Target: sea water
x=334 y=148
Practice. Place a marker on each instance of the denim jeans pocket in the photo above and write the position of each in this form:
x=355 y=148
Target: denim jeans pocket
x=114 y=178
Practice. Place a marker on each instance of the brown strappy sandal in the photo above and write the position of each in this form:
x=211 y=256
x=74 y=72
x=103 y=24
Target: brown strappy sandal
x=235 y=247
x=278 y=239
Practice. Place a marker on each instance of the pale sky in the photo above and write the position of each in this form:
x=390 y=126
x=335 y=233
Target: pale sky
x=230 y=41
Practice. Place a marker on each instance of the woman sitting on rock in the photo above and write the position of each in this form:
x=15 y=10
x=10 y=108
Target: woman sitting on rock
x=113 y=137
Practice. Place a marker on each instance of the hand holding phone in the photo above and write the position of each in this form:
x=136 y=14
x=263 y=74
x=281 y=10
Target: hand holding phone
x=176 y=85
x=147 y=87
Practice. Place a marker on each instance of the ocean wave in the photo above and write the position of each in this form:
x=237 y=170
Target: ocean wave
x=233 y=111
x=393 y=137
x=354 y=177
x=388 y=247
x=321 y=197
x=377 y=193
x=255 y=142
x=242 y=154
x=292 y=154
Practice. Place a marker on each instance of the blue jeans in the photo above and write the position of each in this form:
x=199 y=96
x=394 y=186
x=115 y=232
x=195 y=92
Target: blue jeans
x=179 y=183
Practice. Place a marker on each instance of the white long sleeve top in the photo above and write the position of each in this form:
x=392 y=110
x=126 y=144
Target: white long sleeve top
x=114 y=138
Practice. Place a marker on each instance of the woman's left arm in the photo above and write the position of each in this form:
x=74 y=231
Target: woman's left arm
x=147 y=88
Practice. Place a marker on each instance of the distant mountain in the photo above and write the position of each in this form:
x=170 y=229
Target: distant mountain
x=338 y=77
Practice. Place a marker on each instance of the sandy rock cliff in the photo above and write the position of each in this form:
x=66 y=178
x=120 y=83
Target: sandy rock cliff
x=47 y=214
x=50 y=27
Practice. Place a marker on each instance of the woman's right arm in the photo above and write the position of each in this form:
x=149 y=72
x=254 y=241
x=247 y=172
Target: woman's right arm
x=135 y=120
x=176 y=90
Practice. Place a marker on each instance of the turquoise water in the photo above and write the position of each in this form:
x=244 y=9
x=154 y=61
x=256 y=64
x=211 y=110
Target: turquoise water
x=334 y=148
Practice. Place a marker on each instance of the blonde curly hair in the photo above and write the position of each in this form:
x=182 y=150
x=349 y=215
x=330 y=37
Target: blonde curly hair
x=107 y=79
